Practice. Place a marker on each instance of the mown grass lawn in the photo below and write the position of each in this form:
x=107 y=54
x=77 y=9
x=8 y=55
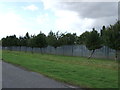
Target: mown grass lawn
x=92 y=73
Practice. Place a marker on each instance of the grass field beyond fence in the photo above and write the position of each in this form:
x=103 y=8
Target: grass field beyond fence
x=79 y=71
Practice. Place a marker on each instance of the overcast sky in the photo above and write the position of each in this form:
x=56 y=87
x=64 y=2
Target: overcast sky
x=45 y=15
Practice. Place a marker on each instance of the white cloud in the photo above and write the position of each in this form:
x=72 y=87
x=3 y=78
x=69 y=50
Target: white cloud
x=45 y=23
x=11 y=23
x=71 y=22
x=79 y=17
x=67 y=20
x=30 y=7
x=42 y=19
x=68 y=17
x=48 y=4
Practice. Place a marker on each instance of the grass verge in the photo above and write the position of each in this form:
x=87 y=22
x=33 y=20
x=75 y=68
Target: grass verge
x=92 y=73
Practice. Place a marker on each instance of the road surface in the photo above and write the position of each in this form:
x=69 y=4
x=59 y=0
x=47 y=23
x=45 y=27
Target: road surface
x=16 y=77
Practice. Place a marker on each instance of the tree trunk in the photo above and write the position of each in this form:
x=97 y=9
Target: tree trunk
x=41 y=50
x=63 y=50
x=10 y=48
x=72 y=50
x=20 y=48
x=32 y=50
x=91 y=54
x=116 y=55
x=55 y=50
x=25 y=49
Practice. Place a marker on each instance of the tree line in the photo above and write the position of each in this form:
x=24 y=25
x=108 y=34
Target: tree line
x=108 y=36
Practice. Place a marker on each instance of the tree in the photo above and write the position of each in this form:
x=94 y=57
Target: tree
x=27 y=36
x=0 y=42
x=40 y=41
x=10 y=41
x=68 y=39
x=52 y=39
x=23 y=41
x=111 y=37
x=82 y=38
x=4 y=43
x=93 y=41
x=31 y=42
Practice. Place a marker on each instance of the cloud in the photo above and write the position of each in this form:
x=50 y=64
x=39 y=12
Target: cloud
x=65 y=20
x=91 y=9
x=99 y=12
x=45 y=22
x=80 y=16
x=30 y=7
x=57 y=15
x=11 y=23
x=119 y=11
x=49 y=4
x=69 y=21
x=42 y=19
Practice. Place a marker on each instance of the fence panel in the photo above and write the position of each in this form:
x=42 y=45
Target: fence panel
x=69 y=50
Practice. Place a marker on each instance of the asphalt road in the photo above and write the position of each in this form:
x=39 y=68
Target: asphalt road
x=16 y=77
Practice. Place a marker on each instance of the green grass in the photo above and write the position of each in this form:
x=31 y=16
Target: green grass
x=92 y=73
